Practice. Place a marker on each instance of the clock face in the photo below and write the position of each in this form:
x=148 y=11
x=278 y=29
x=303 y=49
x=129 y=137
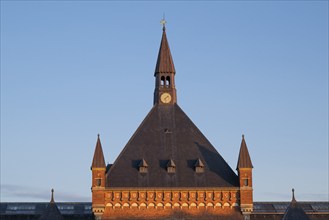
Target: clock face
x=165 y=97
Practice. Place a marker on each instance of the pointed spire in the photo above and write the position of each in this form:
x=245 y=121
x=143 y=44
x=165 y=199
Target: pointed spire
x=294 y=210
x=52 y=196
x=244 y=160
x=293 y=201
x=98 y=160
x=51 y=212
x=165 y=62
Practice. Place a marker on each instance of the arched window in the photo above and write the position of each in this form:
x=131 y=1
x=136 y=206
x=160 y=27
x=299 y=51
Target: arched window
x=98 y=181
x=162 y=81
x=168 y=81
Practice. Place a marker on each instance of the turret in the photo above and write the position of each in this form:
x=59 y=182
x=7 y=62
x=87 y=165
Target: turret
x=244 y=168
x=98 y=170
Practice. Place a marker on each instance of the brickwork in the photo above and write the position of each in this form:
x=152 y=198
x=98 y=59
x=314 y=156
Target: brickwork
x=177 y=213
x=165 y=202
x=246 y=190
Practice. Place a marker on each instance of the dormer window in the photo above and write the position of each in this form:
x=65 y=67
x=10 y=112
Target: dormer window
x=171 y=167
x=199 y=166
x=143 y=166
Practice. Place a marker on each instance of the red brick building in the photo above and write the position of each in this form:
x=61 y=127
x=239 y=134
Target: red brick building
x=168 y=169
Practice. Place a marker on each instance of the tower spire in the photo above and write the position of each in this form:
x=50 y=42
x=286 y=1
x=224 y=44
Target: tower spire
x=165 y=91
x=98 y=160
x=165 y=63
x=244 y=160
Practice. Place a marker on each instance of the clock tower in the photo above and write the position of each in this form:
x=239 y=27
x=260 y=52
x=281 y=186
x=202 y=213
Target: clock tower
x=165 y=91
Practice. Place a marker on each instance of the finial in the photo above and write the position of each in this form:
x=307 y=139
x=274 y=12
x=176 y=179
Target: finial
x=98 y=135
x=163 y=22
x=243 y=136
x=52 y=196
x=293 y=195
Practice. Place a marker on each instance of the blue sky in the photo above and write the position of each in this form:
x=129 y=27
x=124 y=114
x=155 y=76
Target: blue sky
x=71 y=70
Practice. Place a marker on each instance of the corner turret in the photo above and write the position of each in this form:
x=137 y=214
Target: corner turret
x=98 y=169
x=244 y=168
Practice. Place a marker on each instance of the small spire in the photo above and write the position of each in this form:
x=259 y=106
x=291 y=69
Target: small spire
x=293 y=196
x=98 y=160
x=244 y=160
x=52 y=196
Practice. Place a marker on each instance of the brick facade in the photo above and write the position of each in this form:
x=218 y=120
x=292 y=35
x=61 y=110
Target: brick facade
x=161 y=203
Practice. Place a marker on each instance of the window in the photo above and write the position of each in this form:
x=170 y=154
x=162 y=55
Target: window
x=162 y=81
x=98 y=181
x=245 y=182
x=171 y=167
x=199 y=166
x=199 y=169
x=168 y=81
x=143 y=166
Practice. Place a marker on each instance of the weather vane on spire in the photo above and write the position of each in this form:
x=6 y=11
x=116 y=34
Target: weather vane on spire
x=163 y=22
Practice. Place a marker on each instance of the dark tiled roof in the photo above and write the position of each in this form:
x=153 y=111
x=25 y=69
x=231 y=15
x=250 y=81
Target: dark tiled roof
x=51 y=212
x=244 y=160
x=295 y=211
x=167 y=133
x=165 y=63
x=98 y=160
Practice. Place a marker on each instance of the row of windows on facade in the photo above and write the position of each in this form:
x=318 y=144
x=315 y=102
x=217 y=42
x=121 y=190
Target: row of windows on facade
x=171 y=167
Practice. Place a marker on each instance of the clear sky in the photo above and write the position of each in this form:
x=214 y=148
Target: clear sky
x=71 y=70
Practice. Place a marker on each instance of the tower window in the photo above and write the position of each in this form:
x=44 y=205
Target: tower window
x=168 y=81
x=171 y=167
x=143 y=167
x=245 y=182
x=98 y=181
x=162 y=81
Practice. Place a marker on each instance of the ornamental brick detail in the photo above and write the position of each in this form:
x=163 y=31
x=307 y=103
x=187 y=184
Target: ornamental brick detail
x=171 y=199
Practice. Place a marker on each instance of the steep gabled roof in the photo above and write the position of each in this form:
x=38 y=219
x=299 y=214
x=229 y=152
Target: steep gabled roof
x=294 y=210
x=52 y=212
x=165 y=63
x=98 y=160
x=244 y=160
x=168 y=134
